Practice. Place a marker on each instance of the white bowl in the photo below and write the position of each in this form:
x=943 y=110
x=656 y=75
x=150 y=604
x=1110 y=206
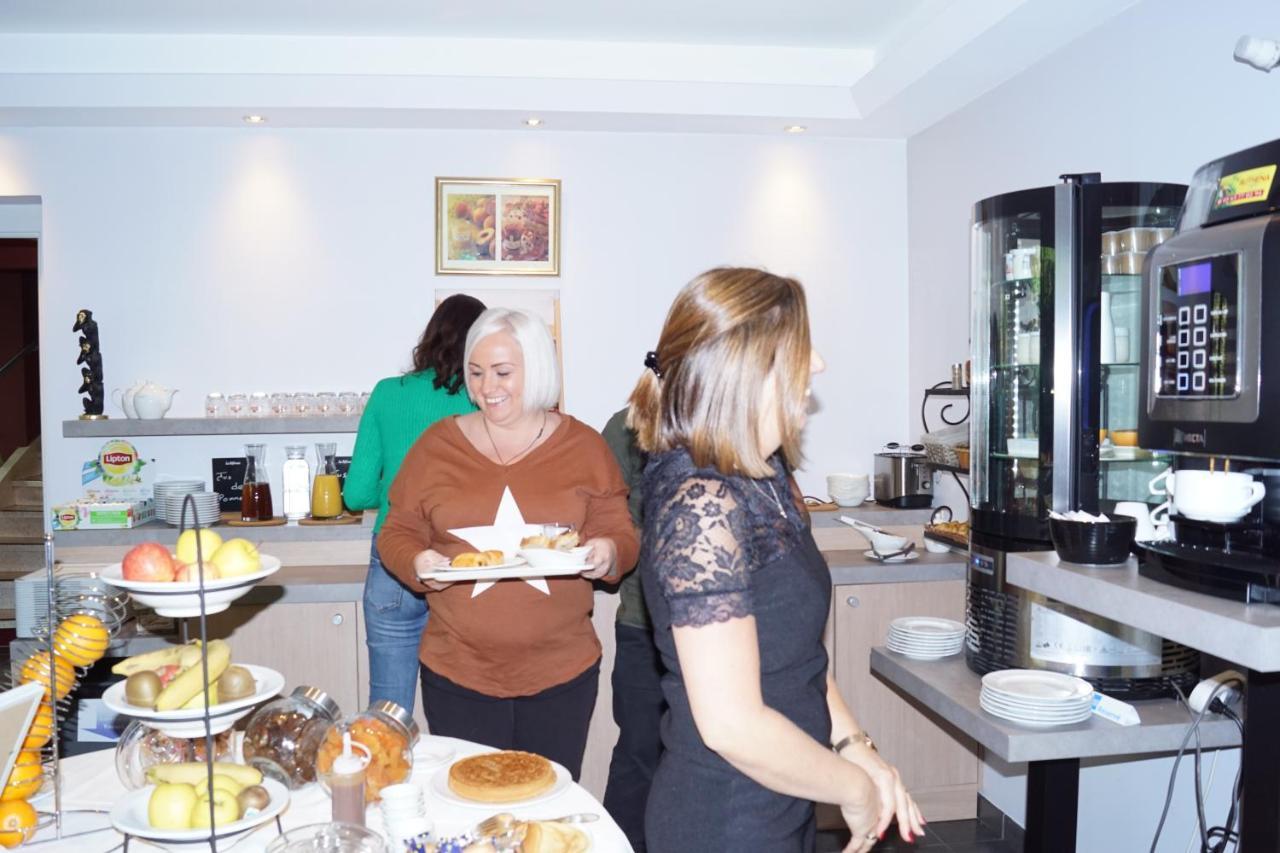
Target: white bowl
x=550 y=558
x=176 y=599
x=129 y=816
x=189 y=722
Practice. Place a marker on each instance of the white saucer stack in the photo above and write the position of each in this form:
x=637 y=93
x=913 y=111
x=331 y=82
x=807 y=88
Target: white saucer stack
x=170 y=495
x=1033 y=697
x=925 y=637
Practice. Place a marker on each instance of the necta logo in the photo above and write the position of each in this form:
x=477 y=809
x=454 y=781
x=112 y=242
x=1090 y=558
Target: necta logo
x=117 y=458
x=1183 y=437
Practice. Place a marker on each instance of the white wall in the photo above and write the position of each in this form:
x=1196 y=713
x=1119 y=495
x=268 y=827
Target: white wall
x=259 y=259
x=1150 y=96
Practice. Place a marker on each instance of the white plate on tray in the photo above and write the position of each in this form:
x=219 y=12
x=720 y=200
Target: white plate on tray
x=516 y=568
x=901 y=558
x=189 y=722
x=439 y=786
x=129 y=816
x=182 y=599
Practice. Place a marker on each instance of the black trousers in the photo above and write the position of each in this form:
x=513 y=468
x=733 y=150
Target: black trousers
x=552 y=723
x=638 y=706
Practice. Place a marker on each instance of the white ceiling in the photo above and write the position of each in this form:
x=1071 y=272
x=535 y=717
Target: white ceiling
x=879 y=68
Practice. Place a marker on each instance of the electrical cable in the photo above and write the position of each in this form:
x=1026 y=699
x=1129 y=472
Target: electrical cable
x=1195 y=833
x=1193 y=729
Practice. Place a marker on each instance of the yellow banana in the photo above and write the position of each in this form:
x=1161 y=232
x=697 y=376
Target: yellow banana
x=190 y=682
x=153 y=660
x=192 y=772
x=197 y=701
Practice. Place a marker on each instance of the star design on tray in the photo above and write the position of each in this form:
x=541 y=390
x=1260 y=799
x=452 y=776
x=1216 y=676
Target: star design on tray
x=508 y=528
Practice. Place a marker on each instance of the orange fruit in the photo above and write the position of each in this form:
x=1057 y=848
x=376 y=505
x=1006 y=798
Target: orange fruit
x=37 y=669
x=17 y=822
x=26 y=778
x=82 y=639
x=41 y=729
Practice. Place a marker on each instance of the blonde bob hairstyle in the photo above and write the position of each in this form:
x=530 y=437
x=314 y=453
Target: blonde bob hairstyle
x=728 y=333
x=541 y=378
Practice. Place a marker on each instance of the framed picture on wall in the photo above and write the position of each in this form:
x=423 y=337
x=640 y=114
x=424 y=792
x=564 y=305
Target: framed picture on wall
x=498 y=226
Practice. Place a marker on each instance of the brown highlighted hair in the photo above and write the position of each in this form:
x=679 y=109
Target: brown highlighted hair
x=443 y=341
x=727 y=331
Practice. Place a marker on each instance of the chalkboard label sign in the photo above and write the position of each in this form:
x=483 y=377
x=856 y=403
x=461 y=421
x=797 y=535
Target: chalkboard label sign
x=228 y=481
x=344 y=465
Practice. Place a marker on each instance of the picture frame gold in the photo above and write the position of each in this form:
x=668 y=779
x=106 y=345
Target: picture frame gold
x=498 y=226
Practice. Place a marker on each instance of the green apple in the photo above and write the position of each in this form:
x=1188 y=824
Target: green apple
x=226 y=809
x=171 y=805
x=186 y=550
x=220 y=783
x=237 y=557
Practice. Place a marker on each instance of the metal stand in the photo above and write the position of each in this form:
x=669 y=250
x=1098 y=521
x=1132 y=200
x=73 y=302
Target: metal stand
x=1053 y=791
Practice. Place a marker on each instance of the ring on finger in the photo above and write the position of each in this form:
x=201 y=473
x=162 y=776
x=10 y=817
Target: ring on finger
x=871 y=836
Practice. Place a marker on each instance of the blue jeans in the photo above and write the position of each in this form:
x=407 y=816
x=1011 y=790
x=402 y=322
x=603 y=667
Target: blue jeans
x=394 y=619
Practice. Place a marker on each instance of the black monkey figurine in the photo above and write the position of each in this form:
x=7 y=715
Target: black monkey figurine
x=87 y=326
x=91 y=357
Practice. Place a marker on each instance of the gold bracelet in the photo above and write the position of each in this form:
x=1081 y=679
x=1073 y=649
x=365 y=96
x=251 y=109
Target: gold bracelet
x=849 y=739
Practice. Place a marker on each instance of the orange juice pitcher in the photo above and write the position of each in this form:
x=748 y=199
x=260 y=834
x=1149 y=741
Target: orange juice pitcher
x=326 y=491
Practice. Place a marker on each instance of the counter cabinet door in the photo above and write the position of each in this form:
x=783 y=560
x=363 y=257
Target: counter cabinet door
x=939 y=765
x=313 y=643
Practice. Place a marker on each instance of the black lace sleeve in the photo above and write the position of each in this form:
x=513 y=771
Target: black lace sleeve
x=700 y=553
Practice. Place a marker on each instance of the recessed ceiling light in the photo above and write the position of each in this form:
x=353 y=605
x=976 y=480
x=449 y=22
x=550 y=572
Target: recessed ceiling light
x=795 y=128
x=255 y=119
x=532 y=122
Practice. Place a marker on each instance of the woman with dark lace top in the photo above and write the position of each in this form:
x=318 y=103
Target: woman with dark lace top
x=737 y=590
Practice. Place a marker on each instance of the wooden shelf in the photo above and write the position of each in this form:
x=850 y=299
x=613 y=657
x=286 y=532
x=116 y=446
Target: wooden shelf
x=130 y=427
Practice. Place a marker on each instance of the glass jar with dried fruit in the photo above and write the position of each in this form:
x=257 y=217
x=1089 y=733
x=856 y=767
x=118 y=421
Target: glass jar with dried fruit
x=389 y=733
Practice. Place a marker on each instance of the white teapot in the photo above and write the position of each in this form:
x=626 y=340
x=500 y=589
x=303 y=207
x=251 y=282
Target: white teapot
x=124 y=398
x=151 y=401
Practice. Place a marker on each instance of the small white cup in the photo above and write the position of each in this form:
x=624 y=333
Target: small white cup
x=1144 y=516
x=413 y=827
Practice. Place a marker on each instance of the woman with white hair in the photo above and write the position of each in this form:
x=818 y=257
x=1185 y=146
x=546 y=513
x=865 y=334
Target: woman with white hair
x=512 y=667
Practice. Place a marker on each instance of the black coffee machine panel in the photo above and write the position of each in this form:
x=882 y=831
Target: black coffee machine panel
x=1211 y=374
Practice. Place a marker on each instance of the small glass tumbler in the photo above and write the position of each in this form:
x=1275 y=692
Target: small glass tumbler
x=281 y=404
x=364 y=400
x=326 y=404
x=259 y=404
x=236 y=405
x=304 y=405
x=215 y=405
x=348 y=403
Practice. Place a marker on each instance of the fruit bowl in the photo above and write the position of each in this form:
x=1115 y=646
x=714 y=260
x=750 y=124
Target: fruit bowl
x=189 y=722
x=129 y=816
x=182 y=598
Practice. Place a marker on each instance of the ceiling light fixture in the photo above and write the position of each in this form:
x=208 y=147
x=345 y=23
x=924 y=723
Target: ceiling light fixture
x=532 y=122
x=795 y=128
x=255 y=119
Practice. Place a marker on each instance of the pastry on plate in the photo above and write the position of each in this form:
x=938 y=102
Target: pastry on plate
x=495 y=558
x=542 y=836
x=469 y=560
x=565 y=541
x=501 y=777
x=537 y=541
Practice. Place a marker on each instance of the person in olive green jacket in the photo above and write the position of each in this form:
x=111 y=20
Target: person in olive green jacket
x=638 y=704
x=398 y=411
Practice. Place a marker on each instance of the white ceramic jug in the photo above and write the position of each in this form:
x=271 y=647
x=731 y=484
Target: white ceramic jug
x=124 y=398
x=151 y=401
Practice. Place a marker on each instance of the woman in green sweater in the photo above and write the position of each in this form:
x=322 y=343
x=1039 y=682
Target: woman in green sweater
x=398 y=411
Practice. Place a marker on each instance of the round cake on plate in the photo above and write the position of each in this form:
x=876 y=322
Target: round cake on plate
x=501 y=777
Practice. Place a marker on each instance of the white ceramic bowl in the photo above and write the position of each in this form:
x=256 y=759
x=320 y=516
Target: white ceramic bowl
x=550 y=558
x=189 y=722
x=181 y=600
x=884 y=543
x=129 y=816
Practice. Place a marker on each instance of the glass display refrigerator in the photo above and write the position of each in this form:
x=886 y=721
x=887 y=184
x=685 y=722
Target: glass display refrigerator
x=1056 y=277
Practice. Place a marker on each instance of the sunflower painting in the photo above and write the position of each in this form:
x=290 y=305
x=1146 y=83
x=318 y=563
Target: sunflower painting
x=499 y=226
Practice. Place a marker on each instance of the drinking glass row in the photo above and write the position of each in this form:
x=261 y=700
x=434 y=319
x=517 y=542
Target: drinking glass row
x=304 y=404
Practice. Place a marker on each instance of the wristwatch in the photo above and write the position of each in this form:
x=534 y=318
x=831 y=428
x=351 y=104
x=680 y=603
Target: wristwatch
x=855 y=737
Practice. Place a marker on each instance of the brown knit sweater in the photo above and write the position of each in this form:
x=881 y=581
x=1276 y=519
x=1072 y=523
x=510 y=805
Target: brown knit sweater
x=511 y=640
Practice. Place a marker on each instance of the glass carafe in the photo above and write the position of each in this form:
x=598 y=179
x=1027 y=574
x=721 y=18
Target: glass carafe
x=255 y=495
x=326 y=491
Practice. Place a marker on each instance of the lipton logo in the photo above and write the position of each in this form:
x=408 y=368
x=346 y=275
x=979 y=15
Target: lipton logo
x=1182 y=437
x=117 y=459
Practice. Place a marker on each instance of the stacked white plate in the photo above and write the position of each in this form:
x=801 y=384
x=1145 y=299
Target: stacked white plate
x=170 y=494
x=925 y=637
x=1034 y=697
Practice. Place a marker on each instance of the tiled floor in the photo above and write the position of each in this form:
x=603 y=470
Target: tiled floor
x=991 y=832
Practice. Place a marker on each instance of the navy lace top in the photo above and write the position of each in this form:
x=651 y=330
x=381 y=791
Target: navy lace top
x=717 y=548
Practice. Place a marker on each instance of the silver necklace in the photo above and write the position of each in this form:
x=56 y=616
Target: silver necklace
x=773 y=493
x=527 y=448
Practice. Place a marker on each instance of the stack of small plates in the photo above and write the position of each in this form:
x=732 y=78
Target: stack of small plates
x=925 y=637
x=1034 y=697
x=170 y=495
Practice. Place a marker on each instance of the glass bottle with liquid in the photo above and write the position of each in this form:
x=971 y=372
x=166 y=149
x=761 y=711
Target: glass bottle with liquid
x=326 y=490
x=296 y=483
x=255 y=495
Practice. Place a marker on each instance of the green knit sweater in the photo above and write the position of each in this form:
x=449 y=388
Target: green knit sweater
x=398 y=411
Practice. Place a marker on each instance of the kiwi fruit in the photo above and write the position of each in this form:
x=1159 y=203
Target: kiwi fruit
x=142 y=688
x=253 y=797
x=235 y=683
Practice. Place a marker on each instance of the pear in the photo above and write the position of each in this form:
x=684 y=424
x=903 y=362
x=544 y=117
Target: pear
x=186 y=549
x=237 y=557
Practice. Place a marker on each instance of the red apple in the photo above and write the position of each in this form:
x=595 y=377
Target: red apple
x=148 y=562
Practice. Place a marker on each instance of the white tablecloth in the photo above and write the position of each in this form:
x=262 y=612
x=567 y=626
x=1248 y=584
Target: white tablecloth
x=90 y=782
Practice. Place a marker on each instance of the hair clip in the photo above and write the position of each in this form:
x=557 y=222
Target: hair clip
x=651 y=362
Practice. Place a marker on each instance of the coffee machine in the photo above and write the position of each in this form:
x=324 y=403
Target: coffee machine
x=1210 y=383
